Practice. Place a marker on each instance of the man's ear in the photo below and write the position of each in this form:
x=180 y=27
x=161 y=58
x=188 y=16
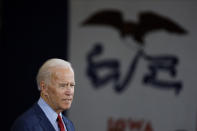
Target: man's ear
x=43 y=87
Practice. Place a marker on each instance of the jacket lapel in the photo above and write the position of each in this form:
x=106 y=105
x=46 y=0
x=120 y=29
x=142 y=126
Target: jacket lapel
x=44 y=122
x=68 y=124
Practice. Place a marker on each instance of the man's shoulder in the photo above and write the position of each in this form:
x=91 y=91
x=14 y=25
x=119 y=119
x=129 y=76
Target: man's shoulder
x=30 y=114
x=28 y=119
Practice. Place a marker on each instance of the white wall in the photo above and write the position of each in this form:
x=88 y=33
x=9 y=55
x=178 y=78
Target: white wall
x=160 y=109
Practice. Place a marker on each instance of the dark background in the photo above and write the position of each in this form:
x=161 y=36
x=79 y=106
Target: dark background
x=32 y=31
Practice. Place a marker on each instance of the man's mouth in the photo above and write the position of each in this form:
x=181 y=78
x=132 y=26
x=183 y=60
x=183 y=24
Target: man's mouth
x=68 y=99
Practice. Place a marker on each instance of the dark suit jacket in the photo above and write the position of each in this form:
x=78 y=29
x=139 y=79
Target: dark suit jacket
x=35 y=120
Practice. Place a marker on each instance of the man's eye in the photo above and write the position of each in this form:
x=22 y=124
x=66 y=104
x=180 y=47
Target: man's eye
x=72 y=85
x=62 y=85
x=66 y=85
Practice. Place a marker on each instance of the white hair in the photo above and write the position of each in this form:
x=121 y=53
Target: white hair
x=45 y=71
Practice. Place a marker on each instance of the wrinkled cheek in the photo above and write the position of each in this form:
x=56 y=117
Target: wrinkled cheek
x=55 y=99
x=72 y=92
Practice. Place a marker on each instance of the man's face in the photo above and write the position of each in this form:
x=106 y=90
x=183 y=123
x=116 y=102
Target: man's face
x=59 y=93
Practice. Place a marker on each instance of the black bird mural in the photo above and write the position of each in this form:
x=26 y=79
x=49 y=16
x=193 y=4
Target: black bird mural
x=148 y=23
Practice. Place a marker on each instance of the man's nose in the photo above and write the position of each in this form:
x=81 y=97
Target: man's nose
x=68 y=91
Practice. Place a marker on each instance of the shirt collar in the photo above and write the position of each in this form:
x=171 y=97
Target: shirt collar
x=49 y=112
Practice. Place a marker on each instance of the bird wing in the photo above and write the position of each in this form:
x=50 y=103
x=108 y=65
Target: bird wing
x=149 y=21
x=112 y=18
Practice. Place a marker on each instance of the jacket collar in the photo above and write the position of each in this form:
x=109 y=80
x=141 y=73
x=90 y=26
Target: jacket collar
x=67 y=123
x=45 y=123
x=43 y=120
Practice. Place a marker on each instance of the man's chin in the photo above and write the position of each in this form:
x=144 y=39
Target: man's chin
x=67 y=106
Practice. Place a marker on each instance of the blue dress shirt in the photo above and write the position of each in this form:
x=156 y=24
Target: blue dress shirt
x=50 y=113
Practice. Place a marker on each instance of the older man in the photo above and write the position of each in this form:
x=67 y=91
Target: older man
x=55 y=80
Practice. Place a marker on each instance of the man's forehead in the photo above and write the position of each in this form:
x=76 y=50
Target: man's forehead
x=62 y=73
